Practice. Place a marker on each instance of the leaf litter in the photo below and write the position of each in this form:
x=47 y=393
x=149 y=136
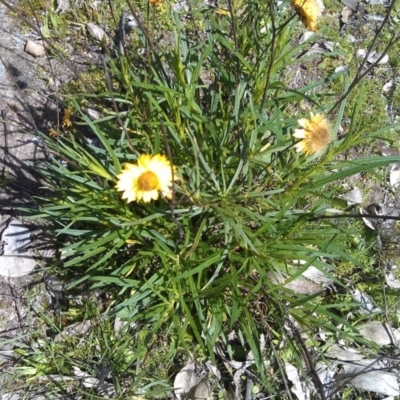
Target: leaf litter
x=186 y=381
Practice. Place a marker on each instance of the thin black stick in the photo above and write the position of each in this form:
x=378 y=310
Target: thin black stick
x=357 y=216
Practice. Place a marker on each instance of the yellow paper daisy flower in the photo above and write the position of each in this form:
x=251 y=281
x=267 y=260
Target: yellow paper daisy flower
x=309 y=12
x=316 y=134
x=66 y=121
x=143 y=181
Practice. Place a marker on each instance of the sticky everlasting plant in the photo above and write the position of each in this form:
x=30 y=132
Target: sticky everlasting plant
x=193 y=206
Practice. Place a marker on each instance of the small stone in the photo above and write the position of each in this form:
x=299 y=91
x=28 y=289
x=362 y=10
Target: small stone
x=384 y=59
x=361 y=53
x=93 y=114
x=2 y=70
x=351 y=38
x=378 y=2
x=352 y=4
x=96 y=32
x=62 y=6
x=387 y=87
x=34 y=49
x=306 y=35
x=17 y=259
x=376 y=18
x=130 y=23
x=181 y=6
x=391 y=279
x=346 y=14
x=341 y=68
x=353 y=197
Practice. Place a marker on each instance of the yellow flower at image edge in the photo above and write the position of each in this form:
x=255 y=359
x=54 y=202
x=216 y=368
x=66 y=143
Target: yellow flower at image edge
x=309 y=12
x=316 y=134
x=143 y=181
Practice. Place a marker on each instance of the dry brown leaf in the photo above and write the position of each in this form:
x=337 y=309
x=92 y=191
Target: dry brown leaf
x=185 y=380
x=298 y=388
x=380 y=333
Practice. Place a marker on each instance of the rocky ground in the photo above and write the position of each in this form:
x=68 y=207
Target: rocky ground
x=29 y=104
x=26 y=107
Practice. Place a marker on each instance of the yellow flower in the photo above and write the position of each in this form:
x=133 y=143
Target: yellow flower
x=309 y=12
x=144 y=180
x=66 y=121
x=53 y=133
x=155 y=2
x=316 y=134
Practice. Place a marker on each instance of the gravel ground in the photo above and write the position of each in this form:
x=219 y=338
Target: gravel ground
x=27 y=105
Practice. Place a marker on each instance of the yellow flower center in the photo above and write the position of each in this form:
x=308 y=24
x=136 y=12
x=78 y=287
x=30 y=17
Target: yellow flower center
x=147 y=181
x=320 y=137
